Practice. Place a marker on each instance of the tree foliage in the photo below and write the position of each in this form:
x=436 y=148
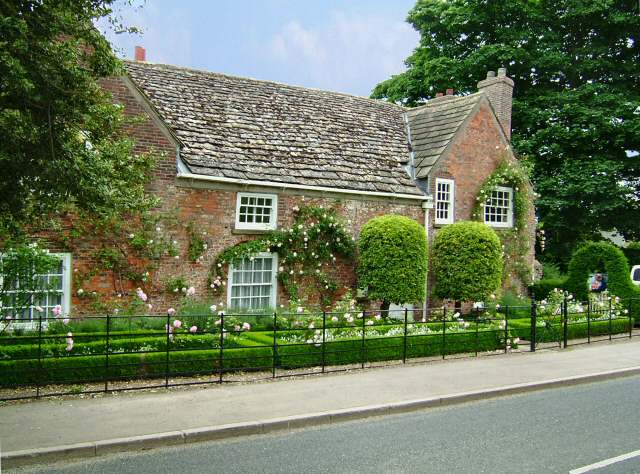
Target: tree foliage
x=61 y=136
x=467 y=262
x=393 y=259
x=576 y=109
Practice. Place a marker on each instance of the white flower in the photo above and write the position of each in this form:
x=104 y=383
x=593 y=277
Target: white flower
x=311 y=325
x=80 y=291
x=300 y=309
x=131 y=236
x=280 y=269
x=369 y=323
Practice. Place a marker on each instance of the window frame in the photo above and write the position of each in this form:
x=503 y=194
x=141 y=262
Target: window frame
x=450 y=219
x=501 y=225
x=65 y=258
x=273 y=221
x=274 y=281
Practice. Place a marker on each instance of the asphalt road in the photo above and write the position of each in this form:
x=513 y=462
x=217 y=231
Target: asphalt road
x=556 y=430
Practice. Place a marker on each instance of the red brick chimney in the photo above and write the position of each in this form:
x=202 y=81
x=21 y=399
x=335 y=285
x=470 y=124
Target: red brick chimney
x=449 y=91
x=140 y=54
x=499 y=91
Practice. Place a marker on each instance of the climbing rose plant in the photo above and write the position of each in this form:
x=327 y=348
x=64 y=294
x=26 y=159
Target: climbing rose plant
x=307 y=251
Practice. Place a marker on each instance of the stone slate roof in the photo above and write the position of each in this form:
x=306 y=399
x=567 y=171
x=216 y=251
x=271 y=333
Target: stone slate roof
x=434 y=125
x=257 y=130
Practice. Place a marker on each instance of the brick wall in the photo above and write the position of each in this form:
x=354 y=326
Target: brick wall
x=210 y=207
x=472 y=158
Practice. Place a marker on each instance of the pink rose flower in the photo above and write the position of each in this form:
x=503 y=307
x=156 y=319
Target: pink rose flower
x=246 y=326
x=191 y=291
x=193 y=329
x=177 y=323
x=171 y=311
x=57 y=310
x=141 y=294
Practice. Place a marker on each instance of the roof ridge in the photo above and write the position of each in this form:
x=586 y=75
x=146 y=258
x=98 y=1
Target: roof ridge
x=448 y=100
x=266 y=81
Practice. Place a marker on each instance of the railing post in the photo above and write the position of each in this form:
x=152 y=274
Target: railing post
x=565 y=315
x=477 y=328
x=40 y=374
x=404 y=349
x=166 y=361
x=275 y=346
x=221 y=351
x=444 y=332
x=107 y=348
x=506 y=329
x=364 y=316
x=324 y=339
x=610 y=322
x=534 y=323
x=630 y=323
x=588 y=321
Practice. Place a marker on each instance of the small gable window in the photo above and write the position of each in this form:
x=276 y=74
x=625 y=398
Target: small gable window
x=252 y=282
x=498 y=209
x=444 y=200
x=256 y=211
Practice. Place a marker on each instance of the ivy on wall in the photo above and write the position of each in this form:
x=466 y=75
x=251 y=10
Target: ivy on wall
x=515 y=240
x=307 y=252
x=130 y=249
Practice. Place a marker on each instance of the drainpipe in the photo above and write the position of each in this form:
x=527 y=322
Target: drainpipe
x=427 y=205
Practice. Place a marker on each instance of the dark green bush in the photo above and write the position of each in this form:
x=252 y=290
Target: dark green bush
x=632 y=252
x=605 y=258
x=542 y=288
x=393 y=259
x=467 y=262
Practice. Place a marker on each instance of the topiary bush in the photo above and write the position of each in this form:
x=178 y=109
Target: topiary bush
x=604 y=258
x=467 y=262
x=393 y=260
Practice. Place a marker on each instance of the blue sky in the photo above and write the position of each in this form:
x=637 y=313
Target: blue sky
x=341 y=45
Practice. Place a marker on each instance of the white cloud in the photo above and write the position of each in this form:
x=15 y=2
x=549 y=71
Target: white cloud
x=350 y=53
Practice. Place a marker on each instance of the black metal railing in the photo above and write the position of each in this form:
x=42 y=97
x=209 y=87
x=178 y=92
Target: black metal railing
x=116 y=352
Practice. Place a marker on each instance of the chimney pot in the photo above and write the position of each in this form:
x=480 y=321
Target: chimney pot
x=491 y=74
x=502 y=72
x=439 y=94
x=449 y=91
x=140 y=54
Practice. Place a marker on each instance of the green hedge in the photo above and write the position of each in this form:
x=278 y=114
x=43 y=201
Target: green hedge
x=605 y=258
x=85 y=369
x=542 y=288
x=522 y=327
x=252 y=352
x=341 y=352
x=57 y=347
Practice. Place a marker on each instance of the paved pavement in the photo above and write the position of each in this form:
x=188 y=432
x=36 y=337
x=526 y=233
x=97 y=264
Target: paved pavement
x=559 y=430
x=295 y=402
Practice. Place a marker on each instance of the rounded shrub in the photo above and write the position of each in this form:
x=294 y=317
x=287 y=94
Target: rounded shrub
x=393 y=259
x=467 y=262
x=600 y=257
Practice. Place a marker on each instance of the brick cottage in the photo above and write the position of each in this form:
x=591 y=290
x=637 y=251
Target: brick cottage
x=239 y=155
